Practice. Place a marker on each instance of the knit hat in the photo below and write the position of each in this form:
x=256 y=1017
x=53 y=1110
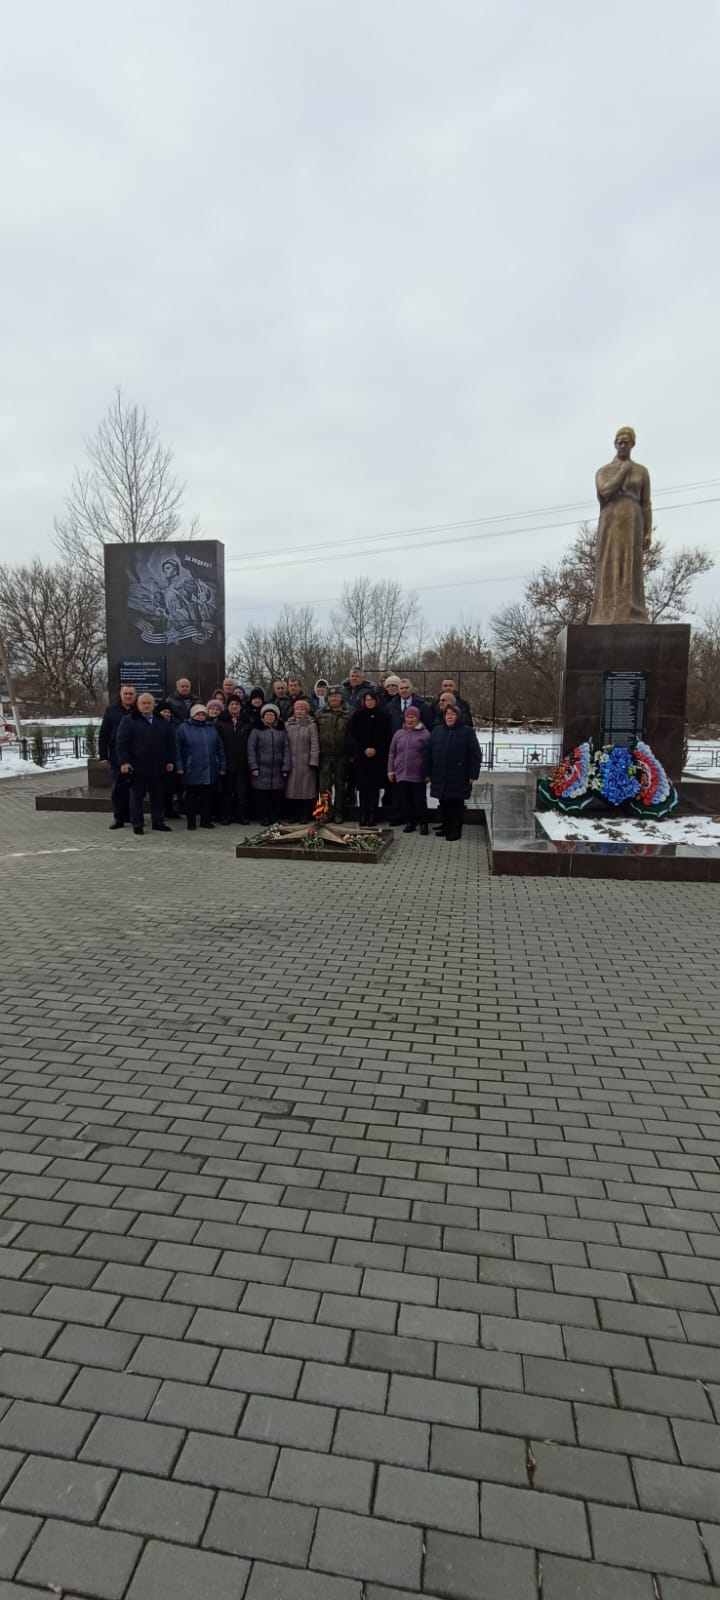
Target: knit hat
x=301 y=701
x=412 y=711
x=270 y=706
x=195 y=710
x=237 y=696
x=392 y=679
x=216 y=705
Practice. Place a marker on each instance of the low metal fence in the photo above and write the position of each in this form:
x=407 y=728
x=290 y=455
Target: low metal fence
x=74 y=747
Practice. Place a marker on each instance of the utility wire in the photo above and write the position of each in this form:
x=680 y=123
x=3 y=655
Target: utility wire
x=458 y=538
x=468 y=522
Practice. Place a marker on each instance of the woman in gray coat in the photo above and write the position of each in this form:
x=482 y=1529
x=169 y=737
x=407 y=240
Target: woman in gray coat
x=269 y=760
x=301 y=786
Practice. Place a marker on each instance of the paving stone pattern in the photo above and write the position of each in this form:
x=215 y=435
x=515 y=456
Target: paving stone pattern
x=359 y=1229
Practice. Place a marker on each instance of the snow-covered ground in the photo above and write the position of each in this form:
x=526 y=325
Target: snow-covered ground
x=631 y=830
x=13 y=766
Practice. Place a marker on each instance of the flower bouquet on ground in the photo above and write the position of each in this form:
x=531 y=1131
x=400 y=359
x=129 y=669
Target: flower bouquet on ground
x=615 y=775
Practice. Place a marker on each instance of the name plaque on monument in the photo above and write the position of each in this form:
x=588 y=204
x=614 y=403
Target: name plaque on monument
x=148 y=677
x=624 y=708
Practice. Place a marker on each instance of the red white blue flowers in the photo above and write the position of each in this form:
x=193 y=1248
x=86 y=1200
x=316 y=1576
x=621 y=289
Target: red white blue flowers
x=616 y=775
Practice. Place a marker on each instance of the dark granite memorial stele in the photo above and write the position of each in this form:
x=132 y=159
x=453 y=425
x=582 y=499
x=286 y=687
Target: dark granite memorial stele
x=620 y=682
x=165 y=610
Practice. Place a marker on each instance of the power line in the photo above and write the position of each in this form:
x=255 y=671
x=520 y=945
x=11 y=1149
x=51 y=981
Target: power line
x=458 y=538
x=334 y=599
x=468 y=522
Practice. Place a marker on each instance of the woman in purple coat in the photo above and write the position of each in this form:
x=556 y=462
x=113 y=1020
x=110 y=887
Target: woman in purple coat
x=406 y=769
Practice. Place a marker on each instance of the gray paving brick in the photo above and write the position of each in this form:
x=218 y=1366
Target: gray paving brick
x=565 y=1579
x=412 y=1288
x=543 y=1521
x=678 y=1397
x=192 y=1405
x=698 y=1443
x=119 y=1442
x=52 y=1487
x=270 y=1582
x=98 y=1346
x=380 y=1438
x=523 y=1335
x=711 y=1540
x=308 y=1341
x=432 y=1401
x=429 y=1322
x=222 y=1463
x=16 y=1536
x=322 y=1480
x=428 y=1498
x=366 y=1548
x=44 y=1429
x=266 y=1530
x=492 y=1369
x=388 y=1353
x=647 y=1542
x=468 y=1453
x=289 y=1422
x=608 y=1349
x=628 y=1432
x=96 y=1561
x=33 y=1378
x=476 y=1569
x=185 y=1574
x=31 y=1336
x=78 y=1305
x=238 y=1369
x=528 y=1415
x=680 y=1491
x=119 y=1393
x=343 y=1386
x=140 y=1504
x=590 y=1474
x=152 y=1317
x=230 y=1329
x=174 y=1358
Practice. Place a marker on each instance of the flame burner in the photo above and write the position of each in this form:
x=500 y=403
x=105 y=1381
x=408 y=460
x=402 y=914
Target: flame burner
x=320 y=814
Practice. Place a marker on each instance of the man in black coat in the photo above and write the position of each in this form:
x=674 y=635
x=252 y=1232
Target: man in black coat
x=448 y=686
x=398 y=703
x=182 y=701
x=233 y=728
x=107 y=751
x=146 y=751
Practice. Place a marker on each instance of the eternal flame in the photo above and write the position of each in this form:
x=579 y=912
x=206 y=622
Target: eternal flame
x=624 y=533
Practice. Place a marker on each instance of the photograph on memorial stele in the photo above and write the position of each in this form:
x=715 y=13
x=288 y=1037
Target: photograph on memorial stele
x=165 y=611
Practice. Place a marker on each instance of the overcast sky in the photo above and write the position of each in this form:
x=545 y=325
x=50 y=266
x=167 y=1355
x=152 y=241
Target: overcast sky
x=372 y=265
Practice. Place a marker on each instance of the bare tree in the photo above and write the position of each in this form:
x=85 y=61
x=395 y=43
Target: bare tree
x=525 y=632
x=378 y=621
x=293 y=646
x=704 y=676
x=128 y=493
x=52 y=622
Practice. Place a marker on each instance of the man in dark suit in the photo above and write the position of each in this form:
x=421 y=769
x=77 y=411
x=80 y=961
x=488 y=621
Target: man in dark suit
x=107 y=751
x=146 y=750
x=398 y=703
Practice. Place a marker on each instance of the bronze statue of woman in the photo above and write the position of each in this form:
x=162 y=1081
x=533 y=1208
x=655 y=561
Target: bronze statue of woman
x=624 y=533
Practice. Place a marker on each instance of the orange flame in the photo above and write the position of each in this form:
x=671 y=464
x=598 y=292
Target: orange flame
x=322 y=807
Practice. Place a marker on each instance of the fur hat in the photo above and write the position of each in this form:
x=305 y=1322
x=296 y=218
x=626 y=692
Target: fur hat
x=270 y=706
x=195 y=710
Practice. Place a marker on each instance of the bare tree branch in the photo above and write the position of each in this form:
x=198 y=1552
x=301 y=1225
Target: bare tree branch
x=51 y=617
x=127 y=494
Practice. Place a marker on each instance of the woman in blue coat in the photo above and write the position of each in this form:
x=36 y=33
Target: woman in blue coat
x=200 y=760
x=453 y=761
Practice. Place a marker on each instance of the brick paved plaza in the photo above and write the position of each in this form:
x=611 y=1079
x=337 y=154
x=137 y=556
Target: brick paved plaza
x=359 y=1228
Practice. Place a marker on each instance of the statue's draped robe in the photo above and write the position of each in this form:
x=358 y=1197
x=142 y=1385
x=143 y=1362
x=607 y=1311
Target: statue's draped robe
x=623 y=489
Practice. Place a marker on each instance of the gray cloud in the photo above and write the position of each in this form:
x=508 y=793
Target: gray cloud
x=371 y=267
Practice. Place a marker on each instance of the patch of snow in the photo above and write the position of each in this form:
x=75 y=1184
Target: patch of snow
x=631 y=830
x=13 y=766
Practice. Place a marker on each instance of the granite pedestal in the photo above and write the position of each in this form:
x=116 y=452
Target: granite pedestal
x=653 y=662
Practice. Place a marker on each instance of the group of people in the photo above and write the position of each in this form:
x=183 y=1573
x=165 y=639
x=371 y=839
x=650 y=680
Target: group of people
x=245 y=755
